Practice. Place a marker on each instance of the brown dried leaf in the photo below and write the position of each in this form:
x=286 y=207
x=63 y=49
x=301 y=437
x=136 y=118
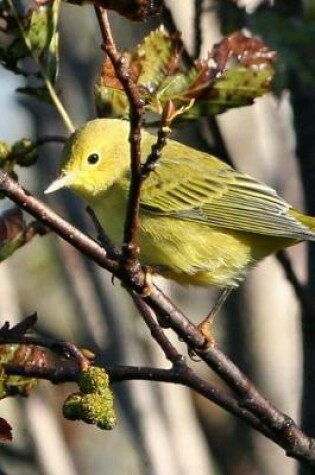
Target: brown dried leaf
x=211 y=86
x=11 y=225
x=30 y=354
x=14 y=233
x=108 y=76
x=19 y=329
x=5 y=431
x=249 y=51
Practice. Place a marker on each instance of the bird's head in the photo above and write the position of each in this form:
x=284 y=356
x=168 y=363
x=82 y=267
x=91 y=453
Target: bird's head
x=94 y=157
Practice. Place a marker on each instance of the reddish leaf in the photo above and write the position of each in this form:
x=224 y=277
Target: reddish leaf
x=14 y=233
x=210 y=86
x=250 y=51
x=5 y=431
x=108 y=76
x=11 y=224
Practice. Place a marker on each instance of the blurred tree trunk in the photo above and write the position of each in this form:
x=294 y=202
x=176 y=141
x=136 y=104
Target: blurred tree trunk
x=303 y=103
x=293 y=60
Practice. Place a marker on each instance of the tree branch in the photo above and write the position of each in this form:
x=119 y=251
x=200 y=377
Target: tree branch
x=250 y=404
x=120 y=373
x=124 y=74
x=157 y=332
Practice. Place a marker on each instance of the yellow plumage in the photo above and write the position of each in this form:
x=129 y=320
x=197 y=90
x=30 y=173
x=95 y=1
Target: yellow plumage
x=201 y=222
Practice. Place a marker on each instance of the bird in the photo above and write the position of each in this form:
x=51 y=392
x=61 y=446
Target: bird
x=201 y=222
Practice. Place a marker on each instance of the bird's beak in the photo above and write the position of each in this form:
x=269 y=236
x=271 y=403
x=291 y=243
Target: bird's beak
x=61 y=182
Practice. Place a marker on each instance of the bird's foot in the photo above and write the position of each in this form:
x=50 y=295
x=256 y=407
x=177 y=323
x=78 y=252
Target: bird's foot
x=205 y=327
x=148 y=282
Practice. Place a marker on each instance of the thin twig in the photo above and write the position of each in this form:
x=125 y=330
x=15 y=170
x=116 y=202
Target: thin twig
x=157 y=332
x=38 y=143
x=57 y=374
x=65 y=348
x=47 y=81
x=120 y=373
x=44 y=139
x=299 y=289
x=282 y=429
x=123 y=73
x=112 y=251
x=62 y=227
x=164 y=131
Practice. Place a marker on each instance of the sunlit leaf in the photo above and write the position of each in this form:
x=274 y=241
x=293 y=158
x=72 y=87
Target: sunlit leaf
x=21 y=355
x=235 y=88
x=110 y=98
x=155 y=58
x=239 y=69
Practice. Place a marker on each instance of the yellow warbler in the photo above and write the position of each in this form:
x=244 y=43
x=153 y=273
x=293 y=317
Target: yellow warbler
x=201 y=222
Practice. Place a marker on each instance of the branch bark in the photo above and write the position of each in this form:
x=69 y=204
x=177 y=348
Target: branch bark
x=247 y=403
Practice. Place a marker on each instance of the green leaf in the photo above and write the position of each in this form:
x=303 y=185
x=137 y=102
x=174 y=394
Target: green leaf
x=156 y=58
x=235 y=88
x=5 y=151
x=209 y=87
x=19 y=355
x=32 y=36
x=42 y=37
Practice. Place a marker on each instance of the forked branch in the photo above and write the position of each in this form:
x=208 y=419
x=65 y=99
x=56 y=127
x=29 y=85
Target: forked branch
x=247 y=403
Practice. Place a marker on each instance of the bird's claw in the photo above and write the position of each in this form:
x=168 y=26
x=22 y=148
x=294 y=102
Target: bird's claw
x=148 y=283
x=205 y=328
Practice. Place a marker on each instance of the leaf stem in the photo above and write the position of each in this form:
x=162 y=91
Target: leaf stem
x=49 y=86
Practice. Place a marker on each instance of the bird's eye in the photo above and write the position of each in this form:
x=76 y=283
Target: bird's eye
x=93 y=158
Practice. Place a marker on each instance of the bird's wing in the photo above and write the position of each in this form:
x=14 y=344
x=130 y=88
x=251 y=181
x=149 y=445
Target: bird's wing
x=208 y=191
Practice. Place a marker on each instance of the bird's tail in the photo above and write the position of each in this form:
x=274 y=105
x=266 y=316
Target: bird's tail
x=308 y=221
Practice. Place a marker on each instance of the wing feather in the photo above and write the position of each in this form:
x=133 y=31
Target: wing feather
x=202 y=188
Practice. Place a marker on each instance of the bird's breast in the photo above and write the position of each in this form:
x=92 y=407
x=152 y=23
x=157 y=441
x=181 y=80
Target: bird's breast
x=186 y=251
x=110 y=209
